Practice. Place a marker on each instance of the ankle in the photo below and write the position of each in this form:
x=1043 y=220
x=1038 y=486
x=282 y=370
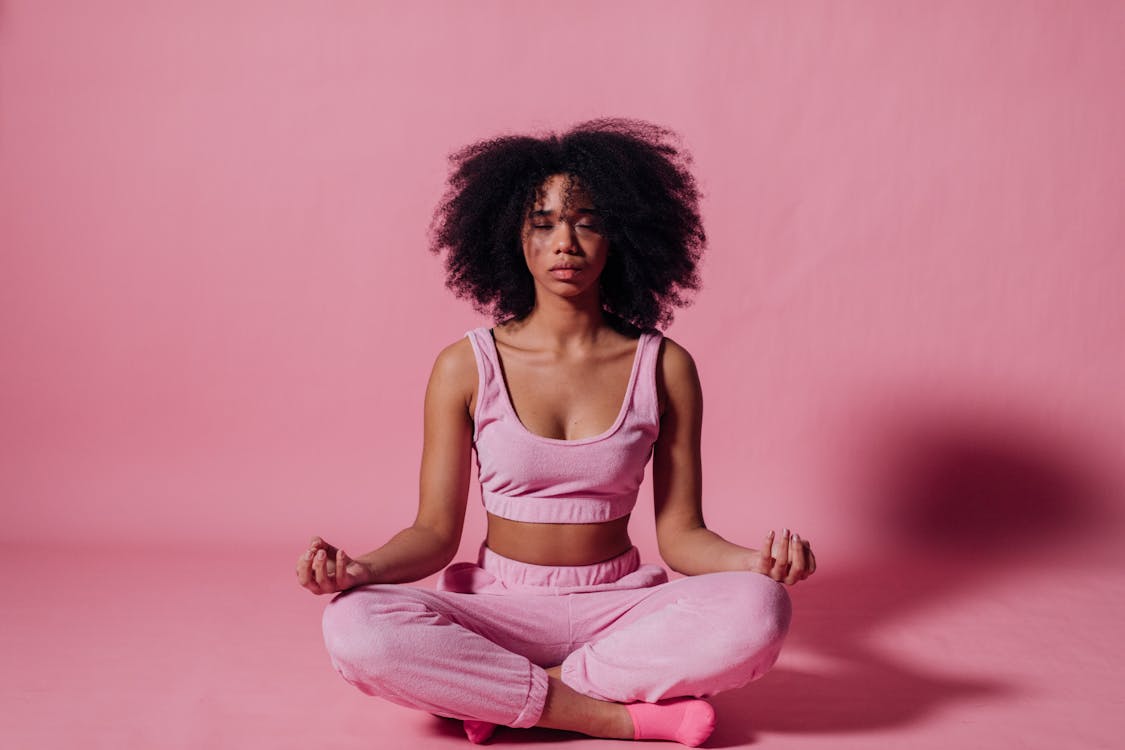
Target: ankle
x=688 y=721
x=620 y=724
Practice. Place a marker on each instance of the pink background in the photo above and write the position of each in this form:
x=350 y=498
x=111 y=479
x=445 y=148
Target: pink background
x=217 y=316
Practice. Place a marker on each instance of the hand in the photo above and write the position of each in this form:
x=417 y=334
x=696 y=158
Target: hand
x=787 y=558
x=324 y=569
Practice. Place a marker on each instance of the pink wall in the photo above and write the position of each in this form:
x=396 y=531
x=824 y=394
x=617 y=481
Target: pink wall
x=217 y=313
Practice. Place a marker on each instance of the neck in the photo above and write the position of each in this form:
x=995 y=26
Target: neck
x=566 y=321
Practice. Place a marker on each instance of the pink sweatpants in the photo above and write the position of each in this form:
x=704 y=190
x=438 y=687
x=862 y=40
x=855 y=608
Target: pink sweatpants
x=476 y=648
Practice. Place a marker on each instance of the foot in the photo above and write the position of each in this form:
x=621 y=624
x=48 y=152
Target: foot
x=478 y=732
x=688 y=721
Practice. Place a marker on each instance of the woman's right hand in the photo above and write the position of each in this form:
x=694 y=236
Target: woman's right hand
x=324 y=569
x=786 y=558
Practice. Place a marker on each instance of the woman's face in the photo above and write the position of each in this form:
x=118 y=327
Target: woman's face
x=563 y=240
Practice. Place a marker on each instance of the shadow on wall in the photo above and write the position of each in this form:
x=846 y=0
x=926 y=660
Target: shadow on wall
x=955 y=505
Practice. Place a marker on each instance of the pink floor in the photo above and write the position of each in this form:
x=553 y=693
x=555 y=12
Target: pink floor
x=151 y=648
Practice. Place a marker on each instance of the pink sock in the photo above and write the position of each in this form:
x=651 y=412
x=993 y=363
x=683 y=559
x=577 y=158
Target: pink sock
x=688 y=721
x=478 y=731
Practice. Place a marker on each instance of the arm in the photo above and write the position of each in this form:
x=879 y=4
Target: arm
x=431 y=542
x=686 y=544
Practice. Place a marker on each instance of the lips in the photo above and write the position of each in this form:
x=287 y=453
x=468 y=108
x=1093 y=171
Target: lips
x=565 y=267
x=565 y=273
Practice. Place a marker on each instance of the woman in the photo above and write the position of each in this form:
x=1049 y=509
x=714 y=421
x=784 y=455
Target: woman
x=579 y=245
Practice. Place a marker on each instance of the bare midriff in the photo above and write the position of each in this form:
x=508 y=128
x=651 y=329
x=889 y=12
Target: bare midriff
x=558 y=543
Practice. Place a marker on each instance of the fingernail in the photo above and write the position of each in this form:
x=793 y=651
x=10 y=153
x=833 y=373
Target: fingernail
x=785 y=532
x=320 y=554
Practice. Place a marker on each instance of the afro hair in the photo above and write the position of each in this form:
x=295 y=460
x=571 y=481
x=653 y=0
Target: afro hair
x=645 y=195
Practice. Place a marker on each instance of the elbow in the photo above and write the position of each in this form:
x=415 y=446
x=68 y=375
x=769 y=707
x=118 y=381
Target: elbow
x=442 y=543
x=676 y=568
x=448 y=552
x=670 y=553
x=675 y=547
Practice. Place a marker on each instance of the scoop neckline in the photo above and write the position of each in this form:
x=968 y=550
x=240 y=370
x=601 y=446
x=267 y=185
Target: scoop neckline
x=510 y=407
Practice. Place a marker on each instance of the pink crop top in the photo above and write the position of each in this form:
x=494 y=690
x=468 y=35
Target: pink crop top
x=528 y=477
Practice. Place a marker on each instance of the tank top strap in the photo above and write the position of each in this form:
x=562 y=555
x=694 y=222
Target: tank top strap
x=490 y=383
x=646 y=405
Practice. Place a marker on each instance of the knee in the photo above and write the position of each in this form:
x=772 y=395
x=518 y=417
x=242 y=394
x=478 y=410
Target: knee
x=751 y=620
x=762 y=606
x=343 y=623
x=361 y=632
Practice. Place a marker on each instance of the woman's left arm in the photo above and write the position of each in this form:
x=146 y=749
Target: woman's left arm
x=686 y=544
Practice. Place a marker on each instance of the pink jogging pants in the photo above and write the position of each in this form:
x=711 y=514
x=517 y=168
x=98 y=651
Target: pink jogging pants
x=476 y=648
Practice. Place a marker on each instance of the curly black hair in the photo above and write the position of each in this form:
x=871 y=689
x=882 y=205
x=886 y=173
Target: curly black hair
x=637 y=178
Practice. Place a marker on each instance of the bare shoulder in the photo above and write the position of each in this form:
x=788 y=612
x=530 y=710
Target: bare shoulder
x=457 y=358
x=455 y=371
x=676 y=374
x=675 y=359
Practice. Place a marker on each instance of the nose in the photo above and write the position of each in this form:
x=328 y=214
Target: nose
x=565 y=240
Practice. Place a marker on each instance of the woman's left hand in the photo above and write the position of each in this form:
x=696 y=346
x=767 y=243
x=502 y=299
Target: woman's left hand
x=786 y=559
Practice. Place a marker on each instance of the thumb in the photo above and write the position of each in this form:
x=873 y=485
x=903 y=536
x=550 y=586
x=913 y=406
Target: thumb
x=352 y=567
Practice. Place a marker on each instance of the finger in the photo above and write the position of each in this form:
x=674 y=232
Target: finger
x=341 y=569
x=317 y=543
x=796 y=560
x=781 y=557
x=765 y=556
x=305 y=574
x=320 y=571
x=810 y=564
x=304 y=568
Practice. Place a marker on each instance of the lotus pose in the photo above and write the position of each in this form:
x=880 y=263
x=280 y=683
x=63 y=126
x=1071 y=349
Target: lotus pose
x=578 y=246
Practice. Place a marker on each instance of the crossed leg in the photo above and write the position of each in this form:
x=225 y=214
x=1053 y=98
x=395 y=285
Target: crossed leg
x=686 y=720
x=478 y=657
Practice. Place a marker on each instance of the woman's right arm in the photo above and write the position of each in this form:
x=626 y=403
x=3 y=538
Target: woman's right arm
x=431 y=542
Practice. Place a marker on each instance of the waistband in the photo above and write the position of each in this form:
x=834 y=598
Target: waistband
x=495 y=574
x=514 y=572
